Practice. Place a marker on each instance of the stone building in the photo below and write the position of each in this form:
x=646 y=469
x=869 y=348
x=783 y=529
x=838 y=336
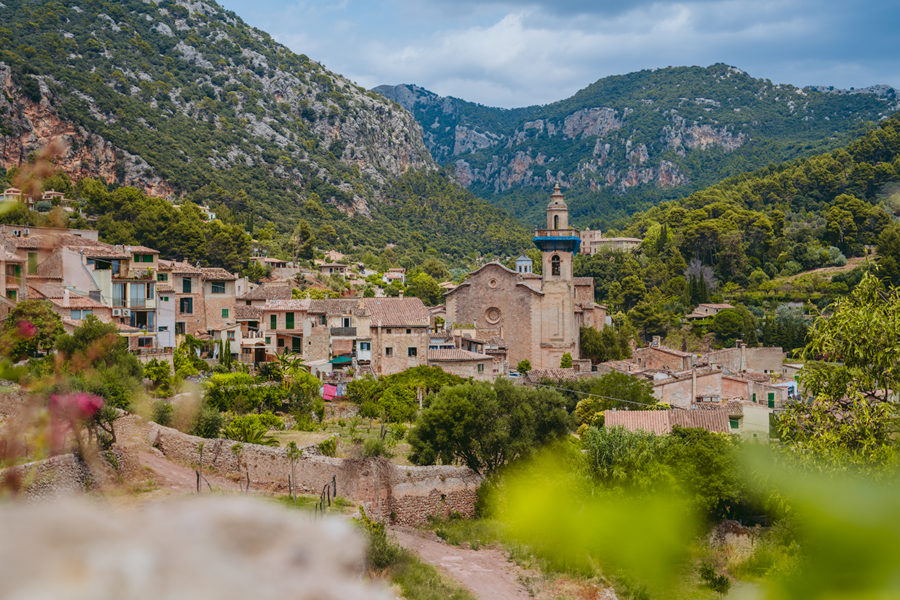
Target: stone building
x=537 y=316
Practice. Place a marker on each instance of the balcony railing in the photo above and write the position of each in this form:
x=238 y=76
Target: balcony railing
x=343 y=331
x=557 y=233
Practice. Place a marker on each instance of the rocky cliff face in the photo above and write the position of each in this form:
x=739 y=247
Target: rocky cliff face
x=173 y=96
x=29 y=126
x=663 y=129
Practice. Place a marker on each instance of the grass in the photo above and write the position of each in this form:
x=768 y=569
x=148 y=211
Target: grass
x=420 y=581
x=339 y=505
x=351 y=433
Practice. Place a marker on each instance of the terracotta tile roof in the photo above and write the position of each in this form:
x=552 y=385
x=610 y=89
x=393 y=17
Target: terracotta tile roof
x=217 y=274
x=45 y=289
x=713 y=305
x=333 y=306
x=247 y=313
x=559 y=374
x=288 y=305
x=276 y=290
x=710 y=420
x=52 y=267
x=583 y=280
x=76 y=302
x=661 y=422
x=178 y=267
x=671 y=351
x=387 y=312
x=165 y=288
x=141 y=250
x=455 y=355
x=651 y=421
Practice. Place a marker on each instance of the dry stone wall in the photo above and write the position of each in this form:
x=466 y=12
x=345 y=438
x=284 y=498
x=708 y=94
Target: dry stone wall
x=407 y=495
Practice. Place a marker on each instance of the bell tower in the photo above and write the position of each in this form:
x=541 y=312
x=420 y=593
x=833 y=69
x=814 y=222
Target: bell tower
x=558 y=245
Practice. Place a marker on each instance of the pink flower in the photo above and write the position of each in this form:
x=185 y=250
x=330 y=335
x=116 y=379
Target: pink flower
x=80 y=405
x=26 y=329
x=87 y=404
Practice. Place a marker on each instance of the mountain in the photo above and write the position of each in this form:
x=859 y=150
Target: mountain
x=182 y=98
x=629 y=141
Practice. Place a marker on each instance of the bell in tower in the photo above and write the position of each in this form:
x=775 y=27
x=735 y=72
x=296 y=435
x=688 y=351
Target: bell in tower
x=558 y=244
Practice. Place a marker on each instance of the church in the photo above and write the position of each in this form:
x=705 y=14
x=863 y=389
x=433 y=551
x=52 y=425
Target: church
x=538 y=317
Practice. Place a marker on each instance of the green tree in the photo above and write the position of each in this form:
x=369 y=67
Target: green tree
x=523 y=367
x=566 y=361
x=423 y=286
x=486 y=426
x=303 y=241
x=31 y=327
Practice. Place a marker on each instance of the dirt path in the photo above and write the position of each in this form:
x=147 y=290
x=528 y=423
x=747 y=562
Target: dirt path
x=173 y=477
x=486 y=572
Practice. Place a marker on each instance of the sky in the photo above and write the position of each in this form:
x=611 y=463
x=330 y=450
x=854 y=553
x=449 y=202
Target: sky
x=508 y=54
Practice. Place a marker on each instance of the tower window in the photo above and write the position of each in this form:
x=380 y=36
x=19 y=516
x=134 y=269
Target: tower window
x=555 y=221
x=554 y=265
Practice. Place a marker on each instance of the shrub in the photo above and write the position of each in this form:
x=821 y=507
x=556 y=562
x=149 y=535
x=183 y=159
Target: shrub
x=376 y=447
x=209 y=422
x=716 y=581
x=328 y=447
x=162 y=412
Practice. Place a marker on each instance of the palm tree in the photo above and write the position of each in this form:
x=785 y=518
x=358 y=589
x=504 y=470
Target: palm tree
x=290 y=365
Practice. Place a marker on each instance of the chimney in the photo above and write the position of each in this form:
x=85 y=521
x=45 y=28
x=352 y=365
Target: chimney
x=66 y=295
x=739 y=343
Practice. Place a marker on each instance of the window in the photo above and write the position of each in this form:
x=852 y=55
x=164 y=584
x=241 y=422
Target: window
x=365 y=346
x=162 y=276
x=555 y=221
x=387 y=331
x=163 y=298
x=143 y=258
x=554 y=265
x=186 y=285
x=408 y=331
x=179 y=328
x=230 y=336
x=268 y=340
x=12 y=294
x=412 y=351
x=388 y=351
x=32 y=263
x=145 y=342
x=218 y=287
x=481 y=367
x=733 y=422
x=296 y=344
x=150 y=287
x=323 y=320
x=138 y=296
x=77 y=314
x=118 y=294
x=771 y=399
x=224 y=313
x=289 y=320
x=345 y=322
x=186 y=306
x=281 y=342
x=273 y=321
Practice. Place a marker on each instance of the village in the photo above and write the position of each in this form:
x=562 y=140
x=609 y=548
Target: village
x=488 y=325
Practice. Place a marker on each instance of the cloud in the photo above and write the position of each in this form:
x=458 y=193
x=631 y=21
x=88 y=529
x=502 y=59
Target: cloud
x=507 y=53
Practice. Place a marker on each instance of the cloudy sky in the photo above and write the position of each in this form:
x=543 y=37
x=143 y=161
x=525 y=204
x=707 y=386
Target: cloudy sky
x=506 y=53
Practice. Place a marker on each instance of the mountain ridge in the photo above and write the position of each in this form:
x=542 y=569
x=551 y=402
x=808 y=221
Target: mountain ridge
x=628 y=141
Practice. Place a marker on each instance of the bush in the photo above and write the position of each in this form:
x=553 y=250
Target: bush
x=328 y=447
x=375 y=447
x=716 y=581
x=209 y=422
x=270 y=421
x=163 y=412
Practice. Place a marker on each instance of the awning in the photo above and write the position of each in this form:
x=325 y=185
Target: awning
x=341 y=360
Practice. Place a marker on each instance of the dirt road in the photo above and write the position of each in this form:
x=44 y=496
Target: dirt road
x=486 y=572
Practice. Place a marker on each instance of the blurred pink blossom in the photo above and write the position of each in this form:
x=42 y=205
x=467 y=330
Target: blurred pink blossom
x=26 y=329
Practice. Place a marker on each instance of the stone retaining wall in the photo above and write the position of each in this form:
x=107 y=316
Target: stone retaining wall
x=407 y=495
x=54 y=477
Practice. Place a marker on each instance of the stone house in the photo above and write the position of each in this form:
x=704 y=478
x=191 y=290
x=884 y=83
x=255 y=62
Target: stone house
x=273 y=290
x=186 y=280
x=707 y=310
x=464 y=363
x=218 y=298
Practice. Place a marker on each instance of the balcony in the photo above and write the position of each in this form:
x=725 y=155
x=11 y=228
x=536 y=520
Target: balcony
x=557 y=233
x=142 y=303
x=343 y=331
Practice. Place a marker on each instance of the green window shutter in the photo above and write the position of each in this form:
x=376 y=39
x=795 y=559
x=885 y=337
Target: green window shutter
x=733 y=422
x=754 y=397
x=771 y=399
x=273 y=321
x=289 y=320
x=224 y=313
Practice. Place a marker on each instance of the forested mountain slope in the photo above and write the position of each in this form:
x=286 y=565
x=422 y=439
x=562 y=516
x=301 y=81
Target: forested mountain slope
x=184 y=98
x=627 y=141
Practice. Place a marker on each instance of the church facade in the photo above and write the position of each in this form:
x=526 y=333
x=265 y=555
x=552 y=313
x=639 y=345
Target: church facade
x=537 y=316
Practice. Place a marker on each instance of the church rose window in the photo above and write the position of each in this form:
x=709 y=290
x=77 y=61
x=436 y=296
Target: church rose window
x=554 y=265
x=492 y=315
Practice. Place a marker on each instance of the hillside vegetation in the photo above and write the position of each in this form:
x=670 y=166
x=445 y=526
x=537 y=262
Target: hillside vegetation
x=629 y=141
